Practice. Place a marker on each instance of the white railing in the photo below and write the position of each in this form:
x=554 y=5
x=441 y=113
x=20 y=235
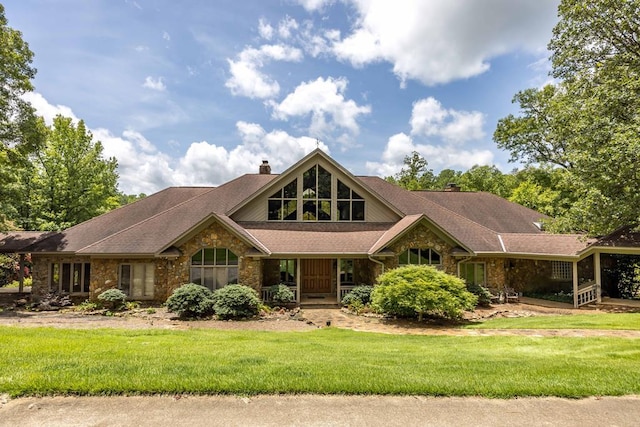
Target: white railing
x=345 y=289
x=266 y=293
x=587 y=293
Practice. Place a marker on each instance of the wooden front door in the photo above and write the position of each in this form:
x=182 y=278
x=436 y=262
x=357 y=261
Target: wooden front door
x=315 y=277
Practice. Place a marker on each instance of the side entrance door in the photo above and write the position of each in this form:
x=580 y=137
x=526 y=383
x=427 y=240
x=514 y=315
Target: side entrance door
x=316 y=275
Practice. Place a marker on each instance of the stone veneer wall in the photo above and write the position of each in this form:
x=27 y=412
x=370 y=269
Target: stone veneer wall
x=421 y=237
x=40 y=271
x=527 y=275
x=496 y=276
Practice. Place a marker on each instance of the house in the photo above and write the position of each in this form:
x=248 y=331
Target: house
x=315 y=227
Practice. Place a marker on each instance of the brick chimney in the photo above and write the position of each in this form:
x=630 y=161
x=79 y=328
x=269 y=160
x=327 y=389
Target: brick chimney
x=451 y=187
x=265 y=169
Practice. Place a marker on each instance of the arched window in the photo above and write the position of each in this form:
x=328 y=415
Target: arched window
x=420 y=257
x=214 y=267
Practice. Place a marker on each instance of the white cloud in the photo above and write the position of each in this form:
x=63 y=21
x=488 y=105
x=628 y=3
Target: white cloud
x=265 y=29
x=285 y=27
x=46 y=110
x=438 y=157
x=438 y=41
x=324 y=100
x=154 y=83
x=428 y=118
x=246 y=77
x=314 y=5
x=166 y=36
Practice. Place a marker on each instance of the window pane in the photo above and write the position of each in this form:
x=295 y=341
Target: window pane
x=324 y=213
x=77 y=277
x=358 y=210
x=196 y=275
x=355 y=195
x=209 y=278
x=208 y=256
x=275 y=210
x=66 y=276
x=309 y=211
x=344 y=211
x=221 y=256
x=324 y=183
x=424 y=256
x=479 y=274
x=414 y=257
x=290 y=211
x=125 y=278
x=403 y=258
x=232 y=275
x=435 y=258
x=137 y=282
x=87 y=277
x=287 y=271
x=344 y=192
x=346 y=270
x=309 y=184
x=54 y=279
x=277 y=195
x=220 y=277
x=149 y=280
x=291 y=190
x=233 y=259
x=466 y=271
x=196 y=259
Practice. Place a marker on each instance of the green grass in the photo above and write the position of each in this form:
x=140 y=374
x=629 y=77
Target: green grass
x=614 y=321
x=42 y=361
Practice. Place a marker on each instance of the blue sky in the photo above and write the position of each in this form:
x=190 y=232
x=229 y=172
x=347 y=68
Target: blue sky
x=198 y=92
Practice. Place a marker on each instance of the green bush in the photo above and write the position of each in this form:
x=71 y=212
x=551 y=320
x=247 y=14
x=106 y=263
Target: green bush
x=236 y=302
x=281 y=294
x=191 y=301
x=415 y=290
x=482 y=293
x=113 y=299
x=360 y=294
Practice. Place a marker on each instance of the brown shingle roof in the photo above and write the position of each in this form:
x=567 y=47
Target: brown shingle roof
x=545 y=244
x=17 y=241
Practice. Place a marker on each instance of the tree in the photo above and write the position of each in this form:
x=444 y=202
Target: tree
x=416 y=175
x=72 y=181
x=21 y=132
x=589 y=122
x=487 y=178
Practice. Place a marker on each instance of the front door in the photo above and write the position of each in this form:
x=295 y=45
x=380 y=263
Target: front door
x=315 y=277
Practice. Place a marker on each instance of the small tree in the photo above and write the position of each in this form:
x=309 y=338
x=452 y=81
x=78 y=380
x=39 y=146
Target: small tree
x=113 y=298
x=281 y=294
x=191 y=301
x=414 y=290
x=236 y=302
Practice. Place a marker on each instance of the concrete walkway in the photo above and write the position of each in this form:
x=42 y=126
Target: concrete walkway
x=313 y=410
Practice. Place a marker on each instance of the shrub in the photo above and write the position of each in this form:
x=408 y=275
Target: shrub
x=482 y=293
x=414 y=290
x=235 y=302
x=112 y=298
x=191 y=301
x=360 y=294
x=281 y=294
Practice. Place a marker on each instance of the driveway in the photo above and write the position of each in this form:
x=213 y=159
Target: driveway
x=312 y=410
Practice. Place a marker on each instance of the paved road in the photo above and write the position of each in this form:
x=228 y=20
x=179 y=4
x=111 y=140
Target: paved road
x=311 y=410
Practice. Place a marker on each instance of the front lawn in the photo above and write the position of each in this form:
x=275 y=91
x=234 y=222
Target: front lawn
x=326 y=361
x=611 y=321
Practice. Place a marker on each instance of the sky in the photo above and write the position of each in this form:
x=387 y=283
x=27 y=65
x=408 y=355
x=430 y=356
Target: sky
x=199 y=92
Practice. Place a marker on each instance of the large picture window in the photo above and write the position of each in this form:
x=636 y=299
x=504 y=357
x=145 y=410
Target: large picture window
x=316 y=194
x=70 y=277
x=283 y=204
x=137 y=280
x=473 y=273
x=420 y=257
x=288 y=271
x=214 y=267
x=350 y=204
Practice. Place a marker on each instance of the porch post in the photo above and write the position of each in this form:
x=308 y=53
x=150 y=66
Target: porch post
x=598 y=274
x=574 y=275
x=298 y=296
x=21 y=274
x=338 y=281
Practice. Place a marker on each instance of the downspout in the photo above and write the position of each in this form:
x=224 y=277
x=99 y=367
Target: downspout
x=377 y=262
x=460 y=262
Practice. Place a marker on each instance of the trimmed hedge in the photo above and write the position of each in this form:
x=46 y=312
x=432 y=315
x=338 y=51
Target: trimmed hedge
x=191 y=301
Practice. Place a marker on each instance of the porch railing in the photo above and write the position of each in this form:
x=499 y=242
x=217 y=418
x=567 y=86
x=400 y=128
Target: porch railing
x=266 y=293
x=587 y=293
x=345 y=289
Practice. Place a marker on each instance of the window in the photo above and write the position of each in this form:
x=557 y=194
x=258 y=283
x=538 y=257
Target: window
x=350 y=204
x=214 y=267
x=473 y=272
x=283 y=205
x=137 y=279
x=346 y=271
x=70 y=277
x=288 y=271
x=420 y=257
x=316 y=194
x=561 y=270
